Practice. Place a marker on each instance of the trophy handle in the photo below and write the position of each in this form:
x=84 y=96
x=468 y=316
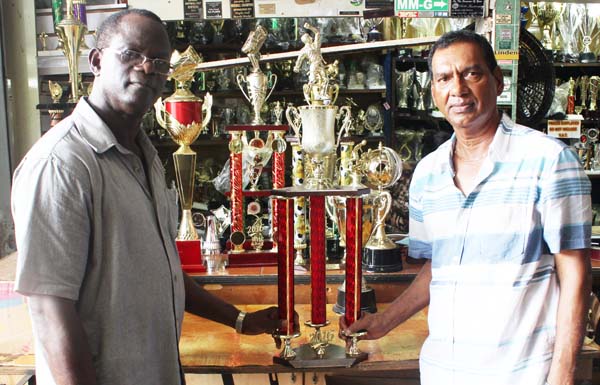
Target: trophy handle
x=240 y=78
x=294 y=120
x=272 y=78
x=207 y=109
x=159 y=108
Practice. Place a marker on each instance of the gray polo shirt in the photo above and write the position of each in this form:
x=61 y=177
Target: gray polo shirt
x=97 y=226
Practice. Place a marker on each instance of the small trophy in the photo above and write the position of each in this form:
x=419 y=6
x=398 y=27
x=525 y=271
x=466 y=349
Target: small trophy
x=259 y=154
x=423 y=84
x=546 y=13
x=571 y=96
x=70 y=33
x=56 y=92
x=587 y=28
x=594 y=82
x=382 y=168
x=374 y=120
x=181 y=115
x=256 y=82
x=405 y=85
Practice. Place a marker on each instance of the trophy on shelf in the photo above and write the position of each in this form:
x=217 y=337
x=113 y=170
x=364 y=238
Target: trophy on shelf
x=382 y=168
x=569 y=23
x=405 y=85
x=594 y=82
x=546 y=13
x=423 y=83
x=374 y=120
x=587 y=28
x=70 y=33
x=584 y=83
x=256 y=82
x=56 y=92
x=181 y=114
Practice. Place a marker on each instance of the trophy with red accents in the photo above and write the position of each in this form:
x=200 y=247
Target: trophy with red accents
x=185 y=116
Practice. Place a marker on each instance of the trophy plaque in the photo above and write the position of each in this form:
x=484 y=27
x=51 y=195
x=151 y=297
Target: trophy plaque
x=184 y=116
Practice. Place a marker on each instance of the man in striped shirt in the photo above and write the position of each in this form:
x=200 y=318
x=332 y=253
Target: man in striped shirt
x=502 y=214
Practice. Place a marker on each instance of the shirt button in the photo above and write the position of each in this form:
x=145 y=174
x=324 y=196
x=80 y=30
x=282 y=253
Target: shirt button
x=174 y=278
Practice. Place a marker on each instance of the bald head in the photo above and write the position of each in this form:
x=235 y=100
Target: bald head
x=112 y=25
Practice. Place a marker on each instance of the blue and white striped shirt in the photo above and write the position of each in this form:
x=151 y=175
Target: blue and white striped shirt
x=494 y=290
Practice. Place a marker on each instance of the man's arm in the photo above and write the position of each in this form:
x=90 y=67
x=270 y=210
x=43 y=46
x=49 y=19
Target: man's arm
x=413 y=299
x=64 y=343
x=200 y=302
x=573 y=270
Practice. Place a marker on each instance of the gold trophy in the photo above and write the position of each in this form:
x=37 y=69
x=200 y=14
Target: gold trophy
x=56 y=92
x=70 y=35
x=181 y=114
x=382 y=168
x=546 y=13
x=256 y=82
x=594 y=81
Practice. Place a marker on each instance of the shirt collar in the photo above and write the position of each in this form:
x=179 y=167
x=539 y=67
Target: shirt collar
x=99 y=136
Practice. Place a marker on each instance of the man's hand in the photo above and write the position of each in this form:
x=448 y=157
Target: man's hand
x=267 y=321
x=374 y=324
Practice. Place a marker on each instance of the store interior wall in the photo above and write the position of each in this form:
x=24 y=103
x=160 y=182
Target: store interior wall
x=6 y=228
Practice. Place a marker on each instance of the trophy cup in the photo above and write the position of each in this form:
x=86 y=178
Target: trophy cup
x=70 y=33
x=374 y=120
x=423 y=88
x=546 y=13
x=405 y=84
x=569 y=23
x=181 y=115
x=382 y=168
x=587 y=28
x=256 y=82
x=56 y=92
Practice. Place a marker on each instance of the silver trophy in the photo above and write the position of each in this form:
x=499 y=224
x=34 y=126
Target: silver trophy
x=256 y=82
x=569 y=23
x=405 y=84
x=587 y=28
x=423 y=84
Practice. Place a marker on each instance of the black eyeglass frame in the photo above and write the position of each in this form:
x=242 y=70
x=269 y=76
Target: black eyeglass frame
x=156 y=63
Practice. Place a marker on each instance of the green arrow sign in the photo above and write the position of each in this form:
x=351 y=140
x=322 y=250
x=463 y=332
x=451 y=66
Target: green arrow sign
x=422 y=5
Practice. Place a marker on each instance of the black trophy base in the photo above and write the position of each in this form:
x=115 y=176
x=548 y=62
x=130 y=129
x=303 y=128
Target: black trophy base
x=367 y=301
x=587 y=57
x=383 y=260
x=335 y=357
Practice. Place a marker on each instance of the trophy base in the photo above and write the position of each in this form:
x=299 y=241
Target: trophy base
x=190 y=255
x=335 y=357
x=367 y=301
x=383 y=260
x=587 y=57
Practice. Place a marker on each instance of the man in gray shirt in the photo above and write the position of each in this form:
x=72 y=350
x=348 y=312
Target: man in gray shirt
x=95 y=227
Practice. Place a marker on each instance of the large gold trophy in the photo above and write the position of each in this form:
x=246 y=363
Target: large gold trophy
x=181 y=114
x=70 y=35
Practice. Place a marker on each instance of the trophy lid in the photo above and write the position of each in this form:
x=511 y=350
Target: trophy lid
x=184 y=64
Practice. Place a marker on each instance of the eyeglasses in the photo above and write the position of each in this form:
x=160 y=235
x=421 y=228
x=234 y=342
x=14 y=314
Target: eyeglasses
x=136 y=59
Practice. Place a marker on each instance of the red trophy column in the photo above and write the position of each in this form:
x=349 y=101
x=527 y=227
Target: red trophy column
x=278 y=182
x=317 y=260
x=285 y=264
x=353 y=259
x=237 y=199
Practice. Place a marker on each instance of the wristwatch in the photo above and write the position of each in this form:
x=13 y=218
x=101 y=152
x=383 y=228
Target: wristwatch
x=239 y=322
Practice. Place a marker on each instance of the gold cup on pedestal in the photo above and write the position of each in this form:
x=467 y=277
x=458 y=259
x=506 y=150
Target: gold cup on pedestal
x=546 y=14
x=70 y=35
x=184 y=116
